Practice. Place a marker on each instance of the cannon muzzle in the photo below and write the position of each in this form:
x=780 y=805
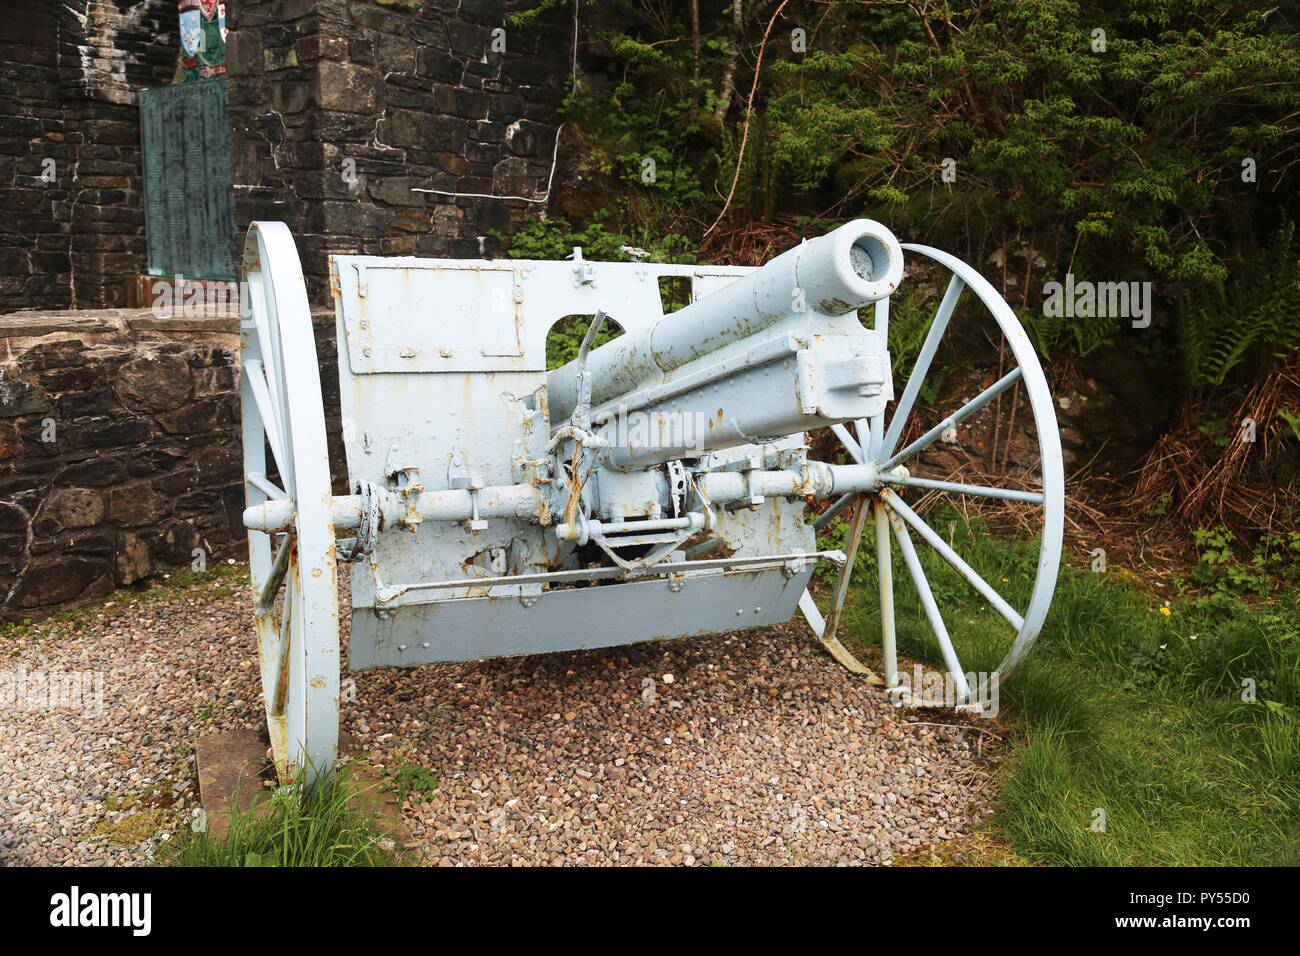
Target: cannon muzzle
x=773 y=353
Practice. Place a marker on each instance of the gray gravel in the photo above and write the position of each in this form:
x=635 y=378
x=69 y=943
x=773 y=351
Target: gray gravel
x=755 y=748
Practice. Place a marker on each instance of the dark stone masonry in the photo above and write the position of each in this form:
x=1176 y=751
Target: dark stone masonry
x=338 y=109
x=120 y=448
x=71 y=182
x=119 y=437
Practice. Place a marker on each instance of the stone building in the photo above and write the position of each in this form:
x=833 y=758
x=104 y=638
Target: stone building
x=119 y=428
x=71 y=215
x=336 y=109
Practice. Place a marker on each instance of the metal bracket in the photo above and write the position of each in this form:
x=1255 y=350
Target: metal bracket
x=473 y=483
x=584 y=272
x=664 y=543
x=371 y=521
x=791 y=459
x=405 y=480
x=678 y=482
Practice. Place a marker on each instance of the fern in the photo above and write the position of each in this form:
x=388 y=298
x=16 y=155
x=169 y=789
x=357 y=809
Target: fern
x=1251 y=318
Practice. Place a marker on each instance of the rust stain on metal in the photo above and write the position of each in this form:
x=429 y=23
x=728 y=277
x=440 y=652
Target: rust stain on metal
x=286 y=625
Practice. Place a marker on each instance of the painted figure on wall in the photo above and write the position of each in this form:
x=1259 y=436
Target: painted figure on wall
x=203 y=38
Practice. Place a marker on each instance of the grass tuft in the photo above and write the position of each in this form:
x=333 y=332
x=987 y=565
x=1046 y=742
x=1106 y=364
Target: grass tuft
x=327 y=826
x=1145 y=733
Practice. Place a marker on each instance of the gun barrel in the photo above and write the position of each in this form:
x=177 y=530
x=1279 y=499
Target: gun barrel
x=829 y=276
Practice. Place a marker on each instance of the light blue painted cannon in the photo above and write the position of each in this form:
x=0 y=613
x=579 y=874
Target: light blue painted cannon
x=666 y=471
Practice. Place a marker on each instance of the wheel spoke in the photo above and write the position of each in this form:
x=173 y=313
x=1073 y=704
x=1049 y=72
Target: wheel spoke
x=931 y=608
x=812 y=614
x=268 y=338
x=956 y=418
x=884 y=562
x=866 y=434
x=832 y=622
x=286 y=640
x=972 y=577
x=271 y=359
x=271 y=587
x=827 y=516
x=263 y=321
x=255 y=373
x=266 y=486
x=850 y=445
x=922 y=366
x=979 y=491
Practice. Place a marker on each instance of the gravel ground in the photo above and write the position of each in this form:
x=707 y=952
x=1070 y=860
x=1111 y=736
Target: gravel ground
x=755 y=749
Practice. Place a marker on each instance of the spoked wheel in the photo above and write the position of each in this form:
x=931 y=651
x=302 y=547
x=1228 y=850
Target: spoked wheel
x=293 y=573
x=899 y=472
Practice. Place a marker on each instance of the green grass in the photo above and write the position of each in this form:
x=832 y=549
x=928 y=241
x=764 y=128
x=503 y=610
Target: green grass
x=330 y=826
x=412 y=780
x=1122 y=708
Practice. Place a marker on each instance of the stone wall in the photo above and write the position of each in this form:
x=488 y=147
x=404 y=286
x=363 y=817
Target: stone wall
x=120 y=450
x=121 y=453
x=339 y=108
x=34 y=250
x=71 y=204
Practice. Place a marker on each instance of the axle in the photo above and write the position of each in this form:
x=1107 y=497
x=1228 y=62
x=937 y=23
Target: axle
x=397 y=510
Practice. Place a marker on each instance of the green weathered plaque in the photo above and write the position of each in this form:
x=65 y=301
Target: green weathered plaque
x=189 y=202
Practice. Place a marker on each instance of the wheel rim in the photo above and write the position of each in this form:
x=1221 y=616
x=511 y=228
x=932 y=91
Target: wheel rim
x=899 y=526
x=293 y=574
